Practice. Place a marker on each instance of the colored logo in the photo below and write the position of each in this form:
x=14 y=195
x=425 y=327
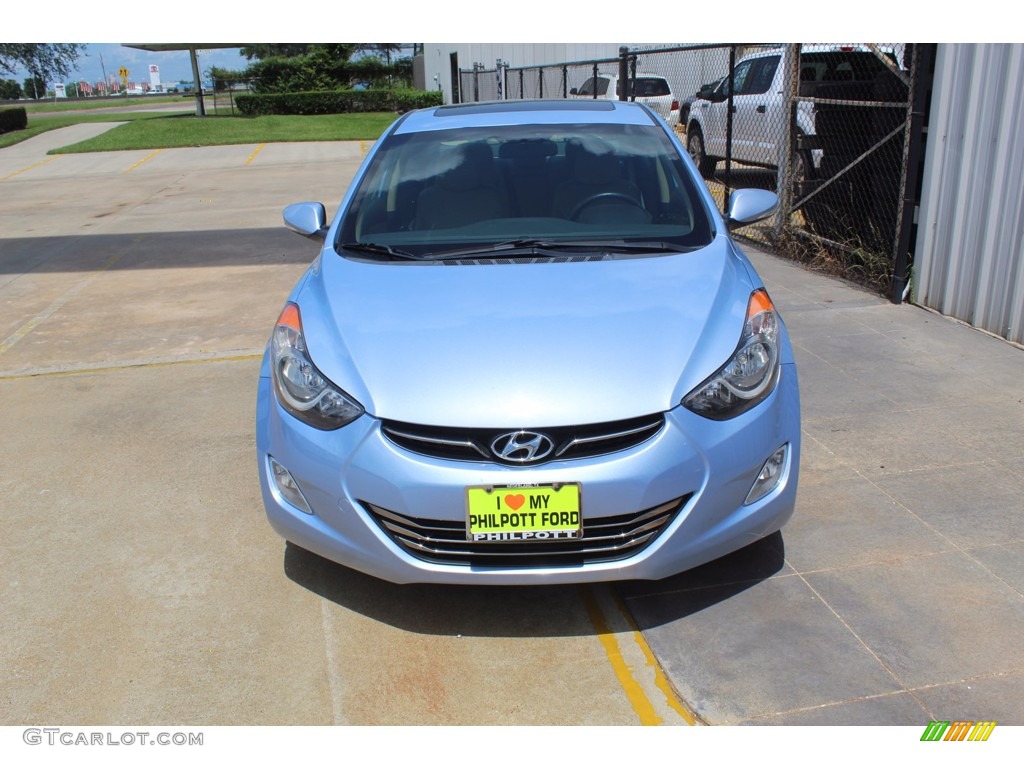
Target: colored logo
x=958 y=730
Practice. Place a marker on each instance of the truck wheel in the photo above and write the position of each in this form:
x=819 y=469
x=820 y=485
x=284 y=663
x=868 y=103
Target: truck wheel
x=803 y=170
x=695 y=146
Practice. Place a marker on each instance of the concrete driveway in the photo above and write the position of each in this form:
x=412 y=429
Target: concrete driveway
x=139 y=288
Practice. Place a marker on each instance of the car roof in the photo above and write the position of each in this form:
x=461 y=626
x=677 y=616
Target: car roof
x=519 y=112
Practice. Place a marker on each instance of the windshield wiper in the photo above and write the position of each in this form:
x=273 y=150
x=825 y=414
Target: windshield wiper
x=545 y=247
x=381 y=250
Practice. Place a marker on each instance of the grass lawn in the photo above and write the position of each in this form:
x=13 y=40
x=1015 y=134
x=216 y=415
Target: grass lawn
x=192 y=131
x=146 y=130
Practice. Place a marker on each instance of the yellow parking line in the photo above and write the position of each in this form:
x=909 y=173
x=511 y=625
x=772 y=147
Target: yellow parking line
x=147 y=157
x=256 y=152
x=659 y=676
x=29 y=168
x=634 y=691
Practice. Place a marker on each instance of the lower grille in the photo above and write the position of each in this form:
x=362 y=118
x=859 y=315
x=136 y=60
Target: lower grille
x=604 y=539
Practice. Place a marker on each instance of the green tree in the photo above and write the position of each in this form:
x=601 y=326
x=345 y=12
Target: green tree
x=47 y=61
x=35 y=88
x=329 y=67
x=10 y=89
x=260 y=51
x=381 y=50
x=223 y=79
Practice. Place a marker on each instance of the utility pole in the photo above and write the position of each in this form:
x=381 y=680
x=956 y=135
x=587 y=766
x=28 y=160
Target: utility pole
x=104 y=70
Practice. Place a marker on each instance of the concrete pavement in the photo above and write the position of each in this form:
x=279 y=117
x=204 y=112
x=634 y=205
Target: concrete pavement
x=895 y=595
x=143 y=584
x=138 y=289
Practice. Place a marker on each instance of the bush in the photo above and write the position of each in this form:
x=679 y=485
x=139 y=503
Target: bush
x=335 y=102
x=15 y=119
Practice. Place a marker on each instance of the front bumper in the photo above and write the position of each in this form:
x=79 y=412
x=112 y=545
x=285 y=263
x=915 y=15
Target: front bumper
x=711 y=465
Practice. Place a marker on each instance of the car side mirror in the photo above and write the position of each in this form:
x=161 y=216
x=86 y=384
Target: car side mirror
x=307 y=219
x=747 y=206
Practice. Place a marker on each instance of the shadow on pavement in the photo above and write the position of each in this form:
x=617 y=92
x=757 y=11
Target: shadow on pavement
x=534 y=611
x=154 y=250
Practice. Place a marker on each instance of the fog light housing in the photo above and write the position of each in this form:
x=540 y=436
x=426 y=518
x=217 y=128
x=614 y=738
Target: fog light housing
x=770 y=476
x=287 y=488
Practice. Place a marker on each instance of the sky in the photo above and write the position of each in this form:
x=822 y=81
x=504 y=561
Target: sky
x=174 y=65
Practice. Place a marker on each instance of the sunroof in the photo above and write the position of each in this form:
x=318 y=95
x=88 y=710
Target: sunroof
x=485 y=108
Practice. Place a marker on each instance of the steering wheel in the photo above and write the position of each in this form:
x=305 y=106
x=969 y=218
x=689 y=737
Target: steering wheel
x=603 y=196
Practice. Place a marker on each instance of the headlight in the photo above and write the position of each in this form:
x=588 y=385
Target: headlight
x=301 y=389
x=749 y=376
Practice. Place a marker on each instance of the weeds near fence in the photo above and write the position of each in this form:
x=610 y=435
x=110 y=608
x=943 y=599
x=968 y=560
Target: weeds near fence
x=850 y=260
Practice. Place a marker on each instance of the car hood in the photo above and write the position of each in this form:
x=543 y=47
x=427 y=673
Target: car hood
x=524 y=344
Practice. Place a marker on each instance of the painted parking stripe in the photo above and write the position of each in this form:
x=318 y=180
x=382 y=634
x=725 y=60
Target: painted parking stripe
x=255 y=152
x=660 y=680
x=29 y=168
x=605 y=611
x=147 y=157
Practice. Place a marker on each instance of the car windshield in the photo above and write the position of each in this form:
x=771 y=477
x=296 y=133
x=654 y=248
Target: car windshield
x=562 y=185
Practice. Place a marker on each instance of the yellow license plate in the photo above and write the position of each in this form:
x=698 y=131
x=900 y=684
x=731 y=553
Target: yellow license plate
x=524 y=512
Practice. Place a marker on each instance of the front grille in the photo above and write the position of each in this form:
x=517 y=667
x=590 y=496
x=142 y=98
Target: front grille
x=572 y=442
x=604 y=539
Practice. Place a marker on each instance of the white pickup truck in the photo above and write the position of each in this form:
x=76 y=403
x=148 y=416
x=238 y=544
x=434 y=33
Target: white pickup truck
x=759 y=110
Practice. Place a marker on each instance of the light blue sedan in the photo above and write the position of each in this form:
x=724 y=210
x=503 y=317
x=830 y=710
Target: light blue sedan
x=528 y=353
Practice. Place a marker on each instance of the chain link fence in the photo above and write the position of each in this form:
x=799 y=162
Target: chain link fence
x=823 y=125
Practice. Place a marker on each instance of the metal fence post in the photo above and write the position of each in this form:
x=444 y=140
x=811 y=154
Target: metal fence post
x=784 y=179
x=728 y=130
x=623 y=72
x=921 y=65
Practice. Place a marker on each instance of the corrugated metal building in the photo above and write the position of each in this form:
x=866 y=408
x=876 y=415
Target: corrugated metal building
x=969 y=259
